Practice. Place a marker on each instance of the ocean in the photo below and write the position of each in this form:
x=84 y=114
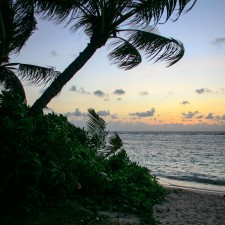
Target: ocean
x=193 y=160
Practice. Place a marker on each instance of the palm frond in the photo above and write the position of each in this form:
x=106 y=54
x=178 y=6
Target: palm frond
x=18 y=22
x=115 y=143
x=36 y=75
x=11 y=82
x=151 y=11
x=96 y=125
x=125 y=55
x=59 y=11
x=159 y=47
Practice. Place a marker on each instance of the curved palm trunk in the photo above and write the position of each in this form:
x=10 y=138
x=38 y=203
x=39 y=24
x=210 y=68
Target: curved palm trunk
x=57 y=85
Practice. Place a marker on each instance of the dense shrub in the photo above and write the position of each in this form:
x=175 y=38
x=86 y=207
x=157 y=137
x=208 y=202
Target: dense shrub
x=44 y=158
x=37 y=155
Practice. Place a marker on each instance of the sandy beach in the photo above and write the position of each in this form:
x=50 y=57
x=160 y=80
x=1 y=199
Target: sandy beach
x=184 y=207
x=191 y=207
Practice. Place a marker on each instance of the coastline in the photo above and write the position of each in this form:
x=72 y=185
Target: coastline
x=191 y=206
x=183 y=207
x=191 y=185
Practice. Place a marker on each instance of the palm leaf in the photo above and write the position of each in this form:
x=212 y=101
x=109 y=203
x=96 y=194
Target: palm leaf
x=59 y=11
x=36 y=75
x=159 y=47
x=11 y=82
x=125 y=55
x=115 y=143
x=151 y=11
x=19 y=23
x=96 y=125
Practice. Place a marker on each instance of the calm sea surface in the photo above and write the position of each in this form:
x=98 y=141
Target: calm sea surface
x=189 y=159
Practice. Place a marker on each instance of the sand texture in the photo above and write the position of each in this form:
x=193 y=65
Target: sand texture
x=185 y=207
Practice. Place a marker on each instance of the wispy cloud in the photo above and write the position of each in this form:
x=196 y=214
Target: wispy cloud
x=99 y=93
x=148 y=113
x=76 y=113
x=200 y=117
x=114 y=116
x=73 y=88
x=210 y=116
x=185 y=103
x=119 y=99
x=143 y=93
x=103 y=113
x=219 y=41
x=119 y=92
x=79 y=90
x=190 y=114
x=203 y=90
x=54 y=53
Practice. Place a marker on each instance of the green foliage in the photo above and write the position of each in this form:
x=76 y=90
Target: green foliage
x=45 y=158
x=37 y=156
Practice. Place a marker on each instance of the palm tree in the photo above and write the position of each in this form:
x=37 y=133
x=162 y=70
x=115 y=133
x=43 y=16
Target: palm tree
x=17 y=23
x=100 y=142
x=106 y=20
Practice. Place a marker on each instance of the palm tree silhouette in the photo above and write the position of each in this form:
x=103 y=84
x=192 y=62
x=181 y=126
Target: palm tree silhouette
x=106 y=20
x=17 y=23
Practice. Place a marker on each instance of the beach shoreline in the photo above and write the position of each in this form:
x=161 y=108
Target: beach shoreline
x=192 y=186
x=183 y=206
x=191 y=207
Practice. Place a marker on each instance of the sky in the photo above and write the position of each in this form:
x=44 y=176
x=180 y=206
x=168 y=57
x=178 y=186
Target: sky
x=189 y=96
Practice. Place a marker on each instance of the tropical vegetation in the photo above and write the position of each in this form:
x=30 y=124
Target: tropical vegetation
x=17 y=23
x=50 y=169
x=45 y=159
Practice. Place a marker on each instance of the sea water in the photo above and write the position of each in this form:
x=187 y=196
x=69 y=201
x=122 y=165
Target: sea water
x=182 y=159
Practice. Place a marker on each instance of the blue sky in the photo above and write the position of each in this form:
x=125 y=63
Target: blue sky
x=187 y=96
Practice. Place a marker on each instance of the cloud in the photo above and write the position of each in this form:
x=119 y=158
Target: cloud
x=54 y=53
x=203 y=90
x=143 y=93
x=73 y=88
x=210 y=116
x=200 y=117
x=119 y=92
x=144 y=114
x=219 y=41
x=114 y=116
x=82 y=91
x=76 y=113
x=190 y=114
x=99 y=93
x=185 y=103
x=79 y=90
x=119 y=99
x=103 y=113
